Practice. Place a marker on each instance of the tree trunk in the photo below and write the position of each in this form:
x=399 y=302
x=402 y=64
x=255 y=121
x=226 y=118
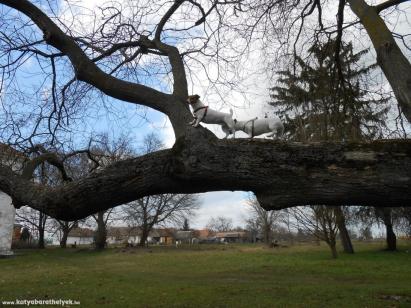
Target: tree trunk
x=391 y=239
x=144 y=235
x=333 y=248
x=390 y=235
x=280 y=174
x=64 y=236
x=101 y=233
x=396 y=67
x=344 y=235
x=41 y=244
x=332 y=243
x=266 y=231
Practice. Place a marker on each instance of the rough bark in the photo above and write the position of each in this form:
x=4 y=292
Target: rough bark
x=101 y=232
x=41 y=228
x=41 y=243
x=280 y=174
x=391 y=238
x=344 y=235
x=396 y=67
x=63 y=240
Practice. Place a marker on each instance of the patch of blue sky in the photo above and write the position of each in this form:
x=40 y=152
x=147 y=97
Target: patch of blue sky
x=99 y=114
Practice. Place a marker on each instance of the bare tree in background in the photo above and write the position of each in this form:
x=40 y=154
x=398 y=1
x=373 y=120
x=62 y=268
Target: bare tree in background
x=320 y=221
x=405 y=220
x=107 y=152
x=63 y=228
x=389 y=217
x=147 y=212
x=146 y=53
x=220 y=224
x=386 y=216
x=263 y=220
x=35 y=221
x=102 y=220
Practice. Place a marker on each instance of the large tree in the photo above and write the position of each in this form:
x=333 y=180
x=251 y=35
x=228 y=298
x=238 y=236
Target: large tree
x=108 y=58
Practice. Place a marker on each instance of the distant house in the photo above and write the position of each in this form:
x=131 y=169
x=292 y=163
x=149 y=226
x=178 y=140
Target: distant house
x=163 y=236
x=204 y=236
x=232 y=237
x=80 y=236
x=120 y=235
x=185 y=237
x=16 y=232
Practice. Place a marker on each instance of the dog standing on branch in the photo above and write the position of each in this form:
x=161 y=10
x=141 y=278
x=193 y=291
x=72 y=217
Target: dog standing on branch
x=256 y=126
x=207 y=115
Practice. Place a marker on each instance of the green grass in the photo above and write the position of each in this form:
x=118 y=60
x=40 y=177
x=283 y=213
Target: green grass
x=212 y=276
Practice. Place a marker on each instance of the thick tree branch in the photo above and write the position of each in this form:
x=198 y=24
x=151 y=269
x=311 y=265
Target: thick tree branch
x=396 y=67
x=281 y=175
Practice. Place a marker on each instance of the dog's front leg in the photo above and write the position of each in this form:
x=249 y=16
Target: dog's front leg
x=271 y=135
x=192 y=122
x=196 y=122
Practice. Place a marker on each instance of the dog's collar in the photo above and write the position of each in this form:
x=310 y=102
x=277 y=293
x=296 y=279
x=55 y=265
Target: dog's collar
x=199 y=108
x=205 y=110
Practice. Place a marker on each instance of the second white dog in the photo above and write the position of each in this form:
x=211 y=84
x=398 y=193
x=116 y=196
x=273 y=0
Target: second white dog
x=256 y=126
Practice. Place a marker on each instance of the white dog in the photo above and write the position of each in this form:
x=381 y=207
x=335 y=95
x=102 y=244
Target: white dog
x=256 y=126
x=204 y=114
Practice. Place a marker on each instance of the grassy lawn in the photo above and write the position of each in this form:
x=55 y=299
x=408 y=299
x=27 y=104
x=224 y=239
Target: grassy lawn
x=212 y=276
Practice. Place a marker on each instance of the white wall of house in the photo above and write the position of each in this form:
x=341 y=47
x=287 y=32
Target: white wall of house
x=71 y=240
x=7 y=213
x=134 y=239
x=131 y=239
x=111 y=240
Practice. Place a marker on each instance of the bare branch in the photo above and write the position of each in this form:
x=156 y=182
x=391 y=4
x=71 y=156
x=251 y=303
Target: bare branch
x=85 y=69
x=387 y=4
